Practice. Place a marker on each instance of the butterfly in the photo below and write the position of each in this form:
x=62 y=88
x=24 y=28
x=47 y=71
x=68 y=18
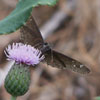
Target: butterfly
x=30 y=34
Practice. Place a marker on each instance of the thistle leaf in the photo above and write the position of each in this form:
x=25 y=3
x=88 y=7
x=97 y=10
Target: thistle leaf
x=21 y=14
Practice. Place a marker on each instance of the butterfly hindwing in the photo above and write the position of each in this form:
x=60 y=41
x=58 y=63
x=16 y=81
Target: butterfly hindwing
x=56 y=59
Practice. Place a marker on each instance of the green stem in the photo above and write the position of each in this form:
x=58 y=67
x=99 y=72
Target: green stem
x=13 y=98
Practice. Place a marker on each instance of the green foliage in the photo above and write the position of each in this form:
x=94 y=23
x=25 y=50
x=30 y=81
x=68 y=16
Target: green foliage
x=97 y=98
x=21 y=14
x=17 y=80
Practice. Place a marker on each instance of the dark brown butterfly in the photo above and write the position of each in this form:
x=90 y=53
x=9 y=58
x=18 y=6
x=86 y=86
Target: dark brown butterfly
x=30 y=34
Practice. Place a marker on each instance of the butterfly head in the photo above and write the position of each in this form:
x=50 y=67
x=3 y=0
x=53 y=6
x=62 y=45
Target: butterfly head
x=45 y=48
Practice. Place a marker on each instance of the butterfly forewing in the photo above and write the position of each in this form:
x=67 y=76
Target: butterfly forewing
x=56 y=59
x=30 y=34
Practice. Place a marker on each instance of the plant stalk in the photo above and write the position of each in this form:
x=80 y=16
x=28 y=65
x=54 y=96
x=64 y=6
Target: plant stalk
x=13 y=98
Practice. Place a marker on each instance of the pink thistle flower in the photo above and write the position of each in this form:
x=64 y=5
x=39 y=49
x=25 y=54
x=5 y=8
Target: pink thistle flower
x=21 y=53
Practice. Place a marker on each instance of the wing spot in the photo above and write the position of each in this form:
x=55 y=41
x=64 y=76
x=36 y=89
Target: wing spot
x=74 y=65
x=81 y=66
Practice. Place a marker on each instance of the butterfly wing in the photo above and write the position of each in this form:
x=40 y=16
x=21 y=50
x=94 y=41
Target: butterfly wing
x=56 y=59
x=30 y=34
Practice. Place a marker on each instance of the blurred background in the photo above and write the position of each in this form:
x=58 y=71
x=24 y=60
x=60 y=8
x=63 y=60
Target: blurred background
x=71 y=27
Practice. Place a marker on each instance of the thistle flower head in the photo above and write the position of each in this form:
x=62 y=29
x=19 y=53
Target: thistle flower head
x=23 y=53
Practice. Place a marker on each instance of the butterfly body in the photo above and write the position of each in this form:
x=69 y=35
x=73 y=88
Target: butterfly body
x=45 y=48
x=30 y=34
